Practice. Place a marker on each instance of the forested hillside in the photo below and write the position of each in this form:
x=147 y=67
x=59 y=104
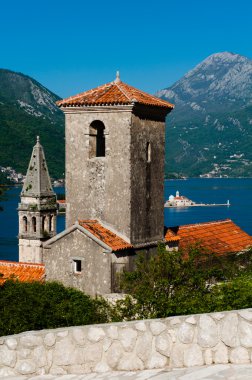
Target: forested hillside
x=28 y=109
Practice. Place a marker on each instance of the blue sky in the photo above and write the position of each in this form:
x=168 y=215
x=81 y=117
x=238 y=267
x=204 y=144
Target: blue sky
x=73 y=46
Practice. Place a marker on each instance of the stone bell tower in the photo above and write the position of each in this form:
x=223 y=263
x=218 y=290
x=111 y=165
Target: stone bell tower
x=37 y=209
x=115 y=160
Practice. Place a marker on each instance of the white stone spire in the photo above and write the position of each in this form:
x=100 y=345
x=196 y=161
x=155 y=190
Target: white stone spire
x=37 y=209
x=37 y=182
x=117 y=80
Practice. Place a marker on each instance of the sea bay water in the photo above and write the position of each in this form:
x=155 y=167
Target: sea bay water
x=213 y=190
x=9 y=223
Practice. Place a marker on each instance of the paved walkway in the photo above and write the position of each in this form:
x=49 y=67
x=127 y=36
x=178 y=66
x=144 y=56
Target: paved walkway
x=214 y=372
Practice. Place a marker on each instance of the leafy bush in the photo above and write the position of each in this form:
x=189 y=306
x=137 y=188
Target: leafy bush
x=35 y=306
x=171 y=283
x=163 y=285
x=233 y=295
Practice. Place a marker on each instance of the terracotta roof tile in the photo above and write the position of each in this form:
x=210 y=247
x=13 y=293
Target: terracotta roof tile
x=115 y=242
x=220 y=237
x=171 y=236
x=113 y=93
x=24 y=272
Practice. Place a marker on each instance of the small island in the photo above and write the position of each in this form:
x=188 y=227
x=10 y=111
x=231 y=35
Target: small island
x=182 y=201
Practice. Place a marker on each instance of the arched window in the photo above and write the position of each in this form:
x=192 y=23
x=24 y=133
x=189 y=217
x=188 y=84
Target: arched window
x=50 y=223
x=148 y=152
x=25 y=224
x=43 y=223
x=34 y=224
x=96 y=139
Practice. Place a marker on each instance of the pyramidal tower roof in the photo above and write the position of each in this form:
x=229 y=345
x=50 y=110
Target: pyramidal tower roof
x=114 y=93
x=37 y=182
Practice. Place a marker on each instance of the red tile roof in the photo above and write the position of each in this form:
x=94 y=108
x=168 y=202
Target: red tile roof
x=24 y=272
x=218 y=237
x=115 y=242
x=113 y=93
x=170 y=235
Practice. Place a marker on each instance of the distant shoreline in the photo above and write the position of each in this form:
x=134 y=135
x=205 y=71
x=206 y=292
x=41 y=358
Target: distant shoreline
x=202 y=205
x=185 y=179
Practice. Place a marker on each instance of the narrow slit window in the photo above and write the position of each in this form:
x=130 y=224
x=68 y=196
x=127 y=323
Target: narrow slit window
x=148 y=152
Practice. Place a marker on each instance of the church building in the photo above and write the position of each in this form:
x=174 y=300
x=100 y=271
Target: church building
x=115 y=152
x=37 y=209
x=115 y=155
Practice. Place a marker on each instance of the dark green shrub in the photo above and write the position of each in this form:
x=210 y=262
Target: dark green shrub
x=233 y=295
x=35 y=306
x=169 y=284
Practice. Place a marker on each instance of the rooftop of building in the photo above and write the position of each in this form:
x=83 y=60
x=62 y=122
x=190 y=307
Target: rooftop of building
x=115 y=242
x=37 y=182
x=171 y=235
x=220 y=237
x=114 y=93
x=24 y=272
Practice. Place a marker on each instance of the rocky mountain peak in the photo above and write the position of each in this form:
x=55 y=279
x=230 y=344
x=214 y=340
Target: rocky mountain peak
x=224 y=57
x=221 y=76
x=210 y=128
x=26 y=93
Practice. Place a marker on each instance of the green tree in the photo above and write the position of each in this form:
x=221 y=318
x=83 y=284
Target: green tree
x=35 y=306
x=234 y=294
x=175 y=283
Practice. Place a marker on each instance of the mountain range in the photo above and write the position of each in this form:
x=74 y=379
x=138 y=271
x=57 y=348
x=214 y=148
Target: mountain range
x=209 y=132
x=28 y=109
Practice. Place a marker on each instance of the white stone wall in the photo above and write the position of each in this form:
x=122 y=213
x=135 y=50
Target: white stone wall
x=30 y=251
x=183 y=341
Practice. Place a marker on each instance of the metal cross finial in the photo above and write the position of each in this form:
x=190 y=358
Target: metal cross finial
x=117 y=80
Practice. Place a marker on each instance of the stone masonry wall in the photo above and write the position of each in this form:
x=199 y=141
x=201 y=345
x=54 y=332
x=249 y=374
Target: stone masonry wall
x=147 y=180
x=99 y=187
x=95 y=276
x=183 y=341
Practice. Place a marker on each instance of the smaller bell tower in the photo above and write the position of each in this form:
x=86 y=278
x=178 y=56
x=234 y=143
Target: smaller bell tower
x=37 y=209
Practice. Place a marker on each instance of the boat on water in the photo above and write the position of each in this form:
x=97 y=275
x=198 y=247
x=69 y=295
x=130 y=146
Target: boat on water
x=182 y=201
